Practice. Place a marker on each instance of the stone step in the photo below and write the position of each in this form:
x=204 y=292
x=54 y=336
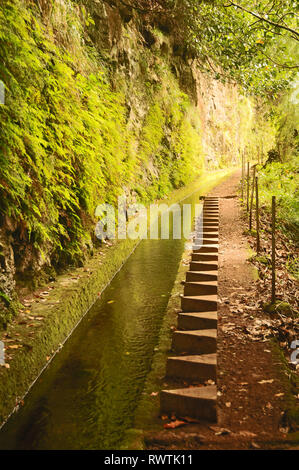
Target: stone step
x=201 y=244
x=206 y=223
x=199 y=303
x=210 y=219
x=197 y=368
x=211 y=215
x=195 y=402
x=210 y=234
x=200 y=288
x=203 y=266
x=203 y=228
x=206 y=249
x=210 y=208
x=204 y=256
x=197 y=320
x=202 y=276
x=201 y=241
x=209 y=228
x=195 y=341
x=211 y=223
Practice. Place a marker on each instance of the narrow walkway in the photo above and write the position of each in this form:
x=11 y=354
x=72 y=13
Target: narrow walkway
x=196 y=337
x=249 y=389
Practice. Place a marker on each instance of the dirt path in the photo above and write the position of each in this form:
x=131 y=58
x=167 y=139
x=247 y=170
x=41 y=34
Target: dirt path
x=250 y=388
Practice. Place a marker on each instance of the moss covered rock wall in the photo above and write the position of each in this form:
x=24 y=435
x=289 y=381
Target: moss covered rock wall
x=99 y=102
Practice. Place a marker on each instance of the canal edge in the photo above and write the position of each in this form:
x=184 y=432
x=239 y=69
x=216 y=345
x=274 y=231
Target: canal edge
x=67 y=307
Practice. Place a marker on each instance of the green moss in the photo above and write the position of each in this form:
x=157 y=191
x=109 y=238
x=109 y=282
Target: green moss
x=292 y=266
x=65 y=306
x=6 y=300
x=290 y=382
x=261 y=259
x=8 y=309
x=67 y=144
x=278 y=307
x=251 y=232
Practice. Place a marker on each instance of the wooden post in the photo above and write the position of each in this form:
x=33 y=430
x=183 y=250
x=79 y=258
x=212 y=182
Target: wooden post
x=248 y=183
x=257 y=216
x=273 y=248
x=242 y=177
x=251 y=200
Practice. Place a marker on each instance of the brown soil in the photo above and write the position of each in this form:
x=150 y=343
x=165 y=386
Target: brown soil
x=251 y=391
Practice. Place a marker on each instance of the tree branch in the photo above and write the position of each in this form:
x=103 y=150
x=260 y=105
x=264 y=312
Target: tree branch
x=285 y=66
x=295 y=34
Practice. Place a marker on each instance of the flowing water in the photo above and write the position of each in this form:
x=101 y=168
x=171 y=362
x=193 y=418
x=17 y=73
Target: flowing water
x=87 y=397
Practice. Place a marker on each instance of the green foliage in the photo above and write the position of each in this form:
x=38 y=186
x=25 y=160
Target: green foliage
x=293 y=266
x=241 y=48
x=66 y=145
x=282 y=180
x=170 y=144
x=8 y=309
x=6 y=300
x=285 y=115
x=63 y=138
x=252 y=44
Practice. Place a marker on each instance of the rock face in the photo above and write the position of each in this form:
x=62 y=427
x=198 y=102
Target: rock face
x=176 y=120
x=7 y=266
x=7 y=279
x=125 y=35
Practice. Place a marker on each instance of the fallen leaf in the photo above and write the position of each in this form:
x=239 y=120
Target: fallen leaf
x=228 y=404
x=270 y=381
x=247 y=434
x=190 y=420
x=220 y=431
x=255 y=445
x=174 y=424
x=284 y=430
x=7 y=366
x=209 y=382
